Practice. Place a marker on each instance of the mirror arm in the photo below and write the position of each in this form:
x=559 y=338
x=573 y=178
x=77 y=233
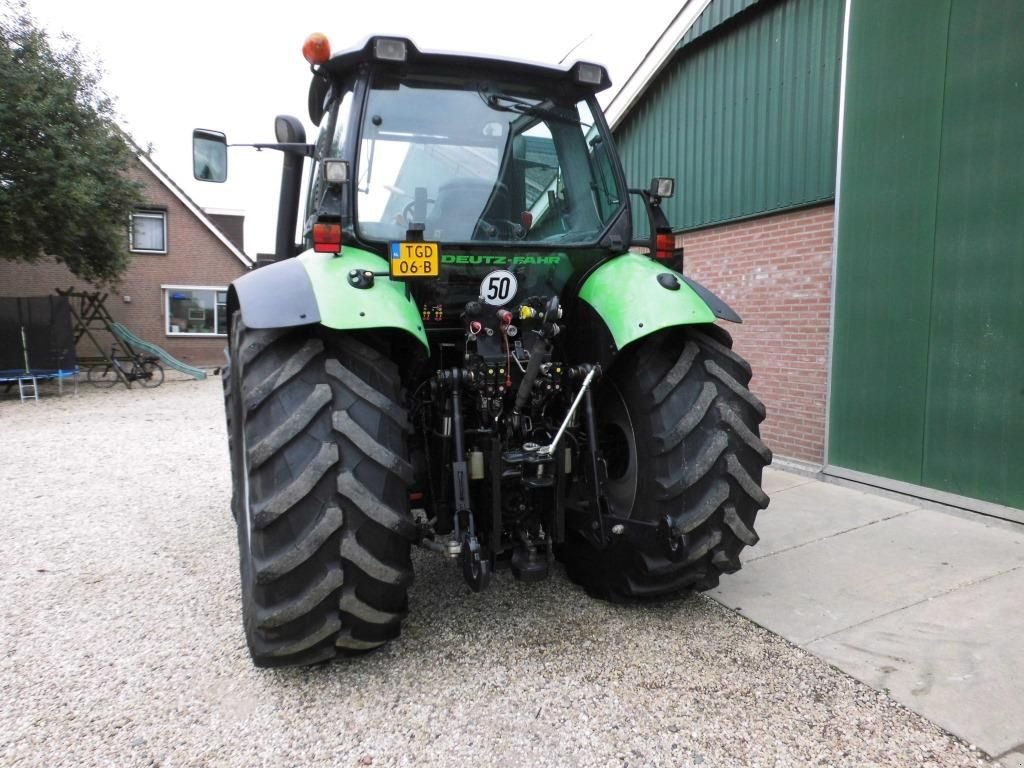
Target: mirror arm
x=306 y=150
x=655 y=215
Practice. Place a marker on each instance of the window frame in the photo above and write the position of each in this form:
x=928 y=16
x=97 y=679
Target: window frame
x=167 y=289
x=574 y=163
x=334 y=133
x=153 y=213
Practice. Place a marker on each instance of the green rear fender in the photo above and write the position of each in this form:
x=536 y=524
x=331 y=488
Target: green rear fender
x=345 y=306
x=315 y=288
x=634 y=296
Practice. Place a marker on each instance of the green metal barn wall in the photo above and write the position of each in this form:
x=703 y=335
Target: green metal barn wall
x=717 y=12
x=928 y=351
x=745 y=118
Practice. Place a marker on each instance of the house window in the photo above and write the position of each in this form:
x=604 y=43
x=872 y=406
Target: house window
x=149 y=232
x=196 y=311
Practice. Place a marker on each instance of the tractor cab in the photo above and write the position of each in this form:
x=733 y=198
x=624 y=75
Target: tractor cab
x=512 y=155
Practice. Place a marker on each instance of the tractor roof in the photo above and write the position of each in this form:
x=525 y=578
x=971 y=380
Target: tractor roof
x=402 y=52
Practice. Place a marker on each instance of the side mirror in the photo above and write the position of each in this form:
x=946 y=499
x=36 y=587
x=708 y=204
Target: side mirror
x=289 y=130
x=662 y=186
x=209 y=155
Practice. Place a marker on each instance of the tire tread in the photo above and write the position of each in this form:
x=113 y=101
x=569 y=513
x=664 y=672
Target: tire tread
x=318 y=426
x=700 y=458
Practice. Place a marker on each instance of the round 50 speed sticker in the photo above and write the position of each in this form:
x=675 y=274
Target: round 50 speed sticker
x=499 y=287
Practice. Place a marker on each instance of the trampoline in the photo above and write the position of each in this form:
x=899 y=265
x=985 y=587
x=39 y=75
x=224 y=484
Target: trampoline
x=36 y=344
x=28 y=381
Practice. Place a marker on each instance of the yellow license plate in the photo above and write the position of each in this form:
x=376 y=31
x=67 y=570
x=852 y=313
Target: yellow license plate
x=415 y=259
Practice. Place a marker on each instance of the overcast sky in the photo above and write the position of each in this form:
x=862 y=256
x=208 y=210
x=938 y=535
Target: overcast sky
x=233 y=66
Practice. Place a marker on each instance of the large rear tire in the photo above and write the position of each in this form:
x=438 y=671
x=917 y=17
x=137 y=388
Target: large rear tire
x=678 y=428
x=320 y=474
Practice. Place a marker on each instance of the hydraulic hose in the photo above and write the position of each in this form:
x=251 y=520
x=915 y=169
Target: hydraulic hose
x=541 y=353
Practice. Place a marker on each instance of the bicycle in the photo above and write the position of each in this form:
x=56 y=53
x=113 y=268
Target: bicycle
x=147 y=371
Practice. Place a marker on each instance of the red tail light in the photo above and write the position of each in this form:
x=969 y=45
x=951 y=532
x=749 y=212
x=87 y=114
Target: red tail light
x=327 y=237
x=669 y=250
x=668 y=245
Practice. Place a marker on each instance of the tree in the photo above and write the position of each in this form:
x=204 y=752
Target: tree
x=64 y=188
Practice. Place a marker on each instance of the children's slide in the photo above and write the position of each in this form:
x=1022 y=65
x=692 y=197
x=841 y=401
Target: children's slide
x=129 y=338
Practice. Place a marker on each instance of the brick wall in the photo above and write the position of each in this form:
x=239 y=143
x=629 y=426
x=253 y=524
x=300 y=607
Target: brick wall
x=194 y=257
x=776 y=272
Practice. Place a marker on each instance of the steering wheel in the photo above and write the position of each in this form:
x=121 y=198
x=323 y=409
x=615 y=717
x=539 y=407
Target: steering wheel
x=407 y=212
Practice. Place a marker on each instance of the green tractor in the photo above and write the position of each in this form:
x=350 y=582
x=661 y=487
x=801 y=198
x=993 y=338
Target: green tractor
x=470 y=353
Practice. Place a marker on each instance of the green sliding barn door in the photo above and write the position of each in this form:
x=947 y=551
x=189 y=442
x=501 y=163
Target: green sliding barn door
x=928 y=354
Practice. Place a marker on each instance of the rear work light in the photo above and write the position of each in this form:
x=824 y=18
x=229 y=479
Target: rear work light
x=389 y=49
x=589 y=74
x=662 y=186
x=335 y=170
x=327 y=237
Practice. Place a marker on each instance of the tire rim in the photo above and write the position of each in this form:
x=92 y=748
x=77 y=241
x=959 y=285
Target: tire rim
x=617 y=441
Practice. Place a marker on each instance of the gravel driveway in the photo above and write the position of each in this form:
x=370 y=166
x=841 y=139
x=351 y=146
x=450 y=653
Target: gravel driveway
x=121 y=642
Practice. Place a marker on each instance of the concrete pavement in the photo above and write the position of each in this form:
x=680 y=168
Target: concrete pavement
x=924 y=602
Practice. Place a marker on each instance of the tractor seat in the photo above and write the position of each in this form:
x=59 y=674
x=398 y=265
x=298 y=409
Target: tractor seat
x=458 y=207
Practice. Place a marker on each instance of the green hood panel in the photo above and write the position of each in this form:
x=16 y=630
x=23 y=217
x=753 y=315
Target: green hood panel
x=345 y=307
x=625 y=292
